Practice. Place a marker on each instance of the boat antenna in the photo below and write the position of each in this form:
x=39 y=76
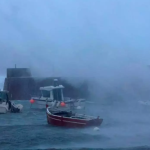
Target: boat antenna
x=56 y=90
x=55 y=82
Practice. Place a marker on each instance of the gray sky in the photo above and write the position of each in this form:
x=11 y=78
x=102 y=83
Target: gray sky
x=100 y=38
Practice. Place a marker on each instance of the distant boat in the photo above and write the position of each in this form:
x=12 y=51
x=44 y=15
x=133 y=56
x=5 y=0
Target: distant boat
x=6 y=105
x=145 y=102
x=51 y=94
x=64 y=117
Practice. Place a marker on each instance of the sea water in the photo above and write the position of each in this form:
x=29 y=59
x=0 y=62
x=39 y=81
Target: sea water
x=124 y=126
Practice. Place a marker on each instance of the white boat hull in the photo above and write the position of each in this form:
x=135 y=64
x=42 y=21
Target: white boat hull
x=145 y=102
x=19 y=106
x=52 y=94
x=3 y=110
x=42 y=102
x=4 y=107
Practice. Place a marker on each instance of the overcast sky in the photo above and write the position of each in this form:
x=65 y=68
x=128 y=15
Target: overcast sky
x=75 y=38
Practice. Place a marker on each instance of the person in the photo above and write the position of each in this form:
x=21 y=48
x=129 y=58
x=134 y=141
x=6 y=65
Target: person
x=9 y=105
x=8 y=102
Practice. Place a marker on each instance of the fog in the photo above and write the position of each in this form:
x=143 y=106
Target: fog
x=103 y=41
x=106 y=41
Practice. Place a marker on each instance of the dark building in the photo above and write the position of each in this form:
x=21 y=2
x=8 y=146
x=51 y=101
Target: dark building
x=21 y=85
x=18 y=72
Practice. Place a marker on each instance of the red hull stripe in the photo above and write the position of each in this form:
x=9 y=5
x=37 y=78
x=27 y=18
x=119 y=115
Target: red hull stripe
x=54 y=118
x=74 y=122
x=66 y=120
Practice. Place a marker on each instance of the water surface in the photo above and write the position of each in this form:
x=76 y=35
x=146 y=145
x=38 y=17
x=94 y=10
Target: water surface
x=123 y=127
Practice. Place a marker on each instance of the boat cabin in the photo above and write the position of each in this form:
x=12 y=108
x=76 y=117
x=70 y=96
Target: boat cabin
x=52 y=92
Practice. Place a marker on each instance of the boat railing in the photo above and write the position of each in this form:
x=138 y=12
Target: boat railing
x=35 y=97
x=56 y=109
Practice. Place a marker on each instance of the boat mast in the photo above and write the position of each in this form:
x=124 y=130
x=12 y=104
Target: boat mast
x=55 y=90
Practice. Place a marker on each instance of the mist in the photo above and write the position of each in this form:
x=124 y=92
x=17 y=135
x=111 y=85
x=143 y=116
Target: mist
x=102 y=41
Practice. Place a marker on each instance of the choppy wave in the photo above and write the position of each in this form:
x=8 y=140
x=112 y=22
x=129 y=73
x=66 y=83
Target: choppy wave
x=126 y=126
x=131 y=148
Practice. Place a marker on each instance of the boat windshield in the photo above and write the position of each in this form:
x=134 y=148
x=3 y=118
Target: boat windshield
x=57 y=94
x=3 y=96
x=45 y=93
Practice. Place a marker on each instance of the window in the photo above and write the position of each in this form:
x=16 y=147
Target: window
x=57 y=94
x=3 y=95
x=45 y=93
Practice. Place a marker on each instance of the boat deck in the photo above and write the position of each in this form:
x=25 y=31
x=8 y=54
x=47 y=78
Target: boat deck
x=66 y=112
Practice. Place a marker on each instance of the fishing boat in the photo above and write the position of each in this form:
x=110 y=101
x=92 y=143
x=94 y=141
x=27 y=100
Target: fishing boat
x=49 y=94
x=6 y=105
x=66 y=118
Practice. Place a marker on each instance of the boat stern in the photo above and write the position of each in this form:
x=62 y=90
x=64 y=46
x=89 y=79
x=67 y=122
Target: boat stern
x=95 y=122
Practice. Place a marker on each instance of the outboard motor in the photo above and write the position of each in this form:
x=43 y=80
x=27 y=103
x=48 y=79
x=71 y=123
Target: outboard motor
x=14 y=109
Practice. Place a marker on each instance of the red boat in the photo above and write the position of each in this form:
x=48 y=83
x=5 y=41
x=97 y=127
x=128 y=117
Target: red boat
x=66 y=118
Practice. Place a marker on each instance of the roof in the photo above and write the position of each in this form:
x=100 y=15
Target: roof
x=49 y=88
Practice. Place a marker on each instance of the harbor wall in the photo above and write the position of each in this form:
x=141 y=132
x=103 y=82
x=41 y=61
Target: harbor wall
x=22 y=86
